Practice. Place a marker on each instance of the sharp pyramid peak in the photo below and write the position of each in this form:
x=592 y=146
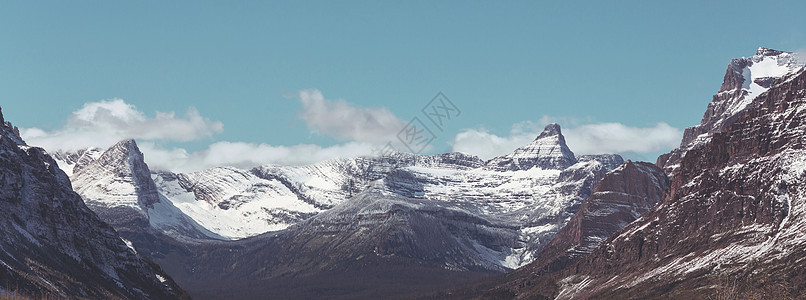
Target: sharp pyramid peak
x=126 y=164
x=125 y=153
x=550 y=130
x=128 y=144
x=547 y=151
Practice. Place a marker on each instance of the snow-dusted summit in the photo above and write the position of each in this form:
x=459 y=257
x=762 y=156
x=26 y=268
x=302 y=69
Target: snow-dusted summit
x=118 y=178
x=547 y=151
x=72 y=161
x=745 y=79
x=117 y=185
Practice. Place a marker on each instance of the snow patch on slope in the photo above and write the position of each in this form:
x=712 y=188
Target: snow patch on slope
x=239 y=204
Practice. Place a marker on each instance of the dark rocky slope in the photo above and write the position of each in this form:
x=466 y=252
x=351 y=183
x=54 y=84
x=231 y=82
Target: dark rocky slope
x=53 y=244
x=375 y=245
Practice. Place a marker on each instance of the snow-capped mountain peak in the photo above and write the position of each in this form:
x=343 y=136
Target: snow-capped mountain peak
x=547 y=151
x=73 y=161
x=766 y=66
x=118 y=177
x=745 y=79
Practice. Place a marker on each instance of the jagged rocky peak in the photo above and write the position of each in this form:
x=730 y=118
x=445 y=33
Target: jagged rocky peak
x=760 y=69
x=123 y=166
x=768 y=52
x=125 y=159
x=13 y=132
x=745 y=79
x=552 y=129
x=547 y=151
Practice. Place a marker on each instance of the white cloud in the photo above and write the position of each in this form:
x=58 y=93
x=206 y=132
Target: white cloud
x=347 y=122
x=246 y=155
x=486 y=145
x=602 y=138
x=596 y=138
x=103 y=123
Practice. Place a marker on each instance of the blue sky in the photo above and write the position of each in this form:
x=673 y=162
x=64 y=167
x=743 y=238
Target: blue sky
x=508 y=66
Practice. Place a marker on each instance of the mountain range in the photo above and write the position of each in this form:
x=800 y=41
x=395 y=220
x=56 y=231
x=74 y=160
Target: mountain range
x=729 y=225
x=450 y=213
x=718 y=217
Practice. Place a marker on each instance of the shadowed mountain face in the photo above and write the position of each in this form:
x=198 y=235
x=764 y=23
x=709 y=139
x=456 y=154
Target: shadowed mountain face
x=53 y=244
x=731 y=222
x=378 y=244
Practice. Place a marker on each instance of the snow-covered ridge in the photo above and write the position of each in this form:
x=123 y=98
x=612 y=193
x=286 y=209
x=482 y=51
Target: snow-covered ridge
x=233 y=203
x=761 y=70
x=536 y=190
x=70 y=160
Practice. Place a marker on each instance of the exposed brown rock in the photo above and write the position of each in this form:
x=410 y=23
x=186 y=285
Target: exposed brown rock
x=617 y=200
x=734 y=210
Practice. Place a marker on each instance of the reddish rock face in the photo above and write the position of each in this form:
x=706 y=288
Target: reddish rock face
x=732 y=219
x=731 y=223
x=733 y=210
x=744 y=80
x=617 y=200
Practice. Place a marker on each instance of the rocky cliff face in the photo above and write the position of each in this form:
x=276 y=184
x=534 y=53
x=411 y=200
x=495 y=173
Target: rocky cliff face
x=118 y=180
x=731 y=222
x=620 y=198
x=744 y=80
x=117 y=185
x=53 y=245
